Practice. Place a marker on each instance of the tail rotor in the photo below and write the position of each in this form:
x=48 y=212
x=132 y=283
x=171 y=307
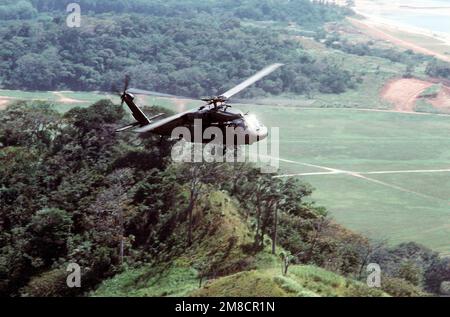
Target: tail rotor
x=122 y=94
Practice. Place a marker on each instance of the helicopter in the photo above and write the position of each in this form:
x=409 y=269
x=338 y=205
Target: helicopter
x=216 y=112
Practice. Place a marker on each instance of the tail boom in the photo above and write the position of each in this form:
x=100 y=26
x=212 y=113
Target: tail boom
x=138 y=114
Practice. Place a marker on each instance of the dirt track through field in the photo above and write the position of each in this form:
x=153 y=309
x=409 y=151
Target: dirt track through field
x=5 y=100
x=370 y=173
x=361 y=175
x=349 y=109
x=64 y=99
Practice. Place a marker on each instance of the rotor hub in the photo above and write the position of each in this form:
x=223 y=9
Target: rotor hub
x=215 y=100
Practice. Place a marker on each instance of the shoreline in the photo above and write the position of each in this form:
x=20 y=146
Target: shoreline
x=417 y=39
x=384 y=33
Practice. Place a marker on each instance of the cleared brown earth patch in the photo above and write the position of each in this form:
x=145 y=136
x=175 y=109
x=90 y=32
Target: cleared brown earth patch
x=64 y=99
x=403 y=92
x=4 y=102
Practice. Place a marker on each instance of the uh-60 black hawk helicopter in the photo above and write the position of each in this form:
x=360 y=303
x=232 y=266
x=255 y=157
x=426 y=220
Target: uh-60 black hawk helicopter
x=215 y=113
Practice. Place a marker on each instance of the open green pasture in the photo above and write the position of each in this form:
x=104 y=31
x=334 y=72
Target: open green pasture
x=393 y=169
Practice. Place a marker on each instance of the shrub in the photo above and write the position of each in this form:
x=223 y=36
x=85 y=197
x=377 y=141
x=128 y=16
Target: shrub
x=445 y=288
x=400 y=288
x=49 y=284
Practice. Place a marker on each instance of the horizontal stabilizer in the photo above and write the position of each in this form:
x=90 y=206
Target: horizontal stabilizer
x=130 y=126
x=136 y=124
x=157 y=116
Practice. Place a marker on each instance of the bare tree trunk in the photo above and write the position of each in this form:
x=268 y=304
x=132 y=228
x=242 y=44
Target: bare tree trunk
x=286 y=264
x=190 y=209
x=317 y=234
x=372 y=248
x=258 y=224
x=121 y=249
x=275 y=228
x=364 y=261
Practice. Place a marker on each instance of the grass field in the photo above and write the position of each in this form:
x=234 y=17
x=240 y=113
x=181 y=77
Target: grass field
x=62 y=101
x=363 y=154
x=66 y=100
x=408 y=196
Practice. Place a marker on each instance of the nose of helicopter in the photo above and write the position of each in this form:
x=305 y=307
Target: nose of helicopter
x=263 y=133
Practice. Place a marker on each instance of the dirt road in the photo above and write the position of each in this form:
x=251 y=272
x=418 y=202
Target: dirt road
x=64 y=99
x=375 y=32
x=4 y=101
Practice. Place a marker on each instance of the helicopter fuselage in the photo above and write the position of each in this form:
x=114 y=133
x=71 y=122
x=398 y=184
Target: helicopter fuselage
x=215 y=122
x=220 y=124
x=224 y=127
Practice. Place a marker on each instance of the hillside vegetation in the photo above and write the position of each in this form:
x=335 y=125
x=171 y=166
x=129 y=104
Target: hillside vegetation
x=221 y=237
x=74 y=191
x=195 y=49
x=302 y=281
x=201 y=48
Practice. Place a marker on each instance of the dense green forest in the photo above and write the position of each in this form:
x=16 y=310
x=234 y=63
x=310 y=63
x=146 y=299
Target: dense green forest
x=75 y=191
x=199 y=51
x=307 y=13
x=193 y=48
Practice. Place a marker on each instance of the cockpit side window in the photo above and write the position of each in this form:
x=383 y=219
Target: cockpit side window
x=240 y=124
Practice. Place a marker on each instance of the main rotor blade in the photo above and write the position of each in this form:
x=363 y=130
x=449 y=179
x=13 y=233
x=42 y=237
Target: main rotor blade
x=155 y=94
x=266 y=71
